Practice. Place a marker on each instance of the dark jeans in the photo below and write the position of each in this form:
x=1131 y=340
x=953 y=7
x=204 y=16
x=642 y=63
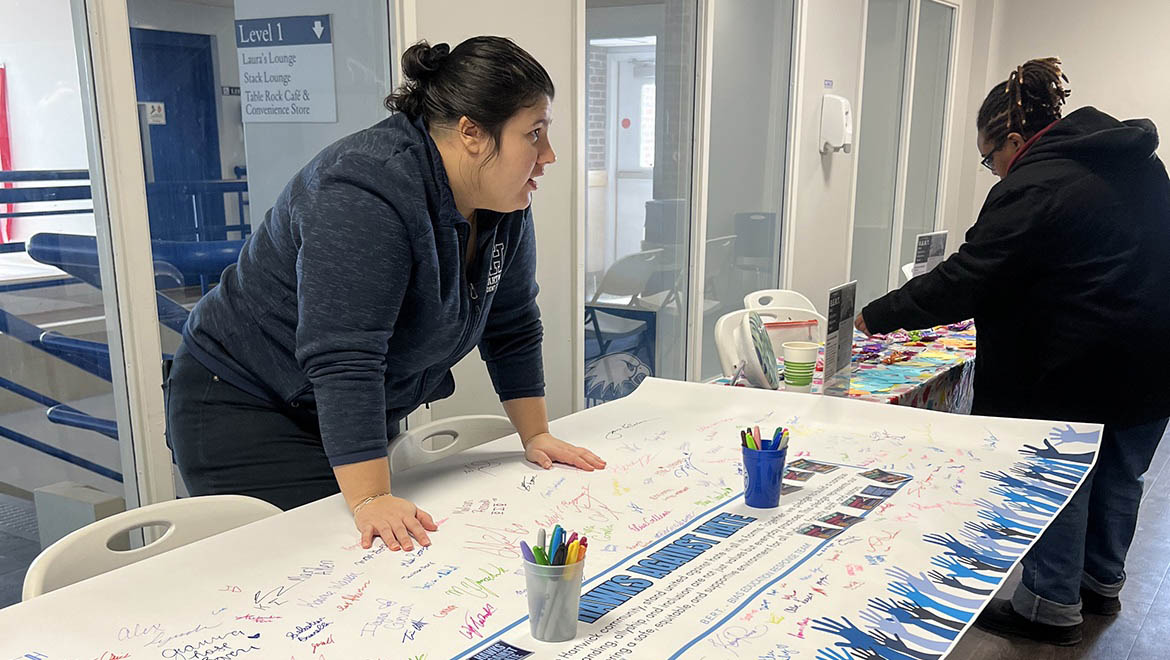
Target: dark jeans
x=1087 y=542
x=227 y=441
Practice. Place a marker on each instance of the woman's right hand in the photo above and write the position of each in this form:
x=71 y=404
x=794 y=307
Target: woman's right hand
x=395 y=520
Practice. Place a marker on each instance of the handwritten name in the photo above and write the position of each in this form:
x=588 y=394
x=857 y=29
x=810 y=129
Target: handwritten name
x=350 y=599
x=307 y=631
x=473 y=623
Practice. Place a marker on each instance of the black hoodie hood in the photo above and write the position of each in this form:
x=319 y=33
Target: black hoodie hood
x=1095 y=138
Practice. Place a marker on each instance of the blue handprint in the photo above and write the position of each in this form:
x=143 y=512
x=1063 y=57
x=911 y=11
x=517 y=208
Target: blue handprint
x=1042 y=476
x=959 y=570
x=1008 y=517
x=922 y=600
x=896 y=643
x=895 y=627
x=903 y=612
x=960 y=549
x=998 y=533
x=953 y=581
x=1070 y=471
x=1069 y=435
x=1051 y=452
x=856 y=638
x=925 y=586
x=1019 y=484
x=990 y=544
x=1072 y=468
x=833 y=654
x=1026 y=502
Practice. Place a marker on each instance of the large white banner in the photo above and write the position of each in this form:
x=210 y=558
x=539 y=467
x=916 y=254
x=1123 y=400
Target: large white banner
x=896 y=527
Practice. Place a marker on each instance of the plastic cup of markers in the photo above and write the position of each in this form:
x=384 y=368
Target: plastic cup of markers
x=554 y=596
x=763 y=477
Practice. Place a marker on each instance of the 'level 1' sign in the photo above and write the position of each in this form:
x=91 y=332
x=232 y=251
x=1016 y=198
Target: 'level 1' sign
x=286 y=69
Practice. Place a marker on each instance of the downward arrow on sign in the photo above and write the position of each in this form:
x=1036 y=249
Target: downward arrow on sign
x=318 y=28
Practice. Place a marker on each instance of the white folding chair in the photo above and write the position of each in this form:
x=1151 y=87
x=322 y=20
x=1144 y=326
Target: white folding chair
x=443 y=437
x=86 y=553
x=777 y=298
x=621 y=286
x=725 y=329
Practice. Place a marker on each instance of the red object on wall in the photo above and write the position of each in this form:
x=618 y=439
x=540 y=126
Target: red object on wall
x=5 y=152
x=626 y=123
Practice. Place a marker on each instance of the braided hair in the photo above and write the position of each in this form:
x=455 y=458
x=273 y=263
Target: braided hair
x=1026 y=102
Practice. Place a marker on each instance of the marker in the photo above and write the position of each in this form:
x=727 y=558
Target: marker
x=559 y=560
x=555 y=543
x=541 y=558
x=574 y=548
x=541 y=541
x=572 y=537
x=742 y=438
x=528 y=556
x=584 y=547
x=751 y=441
x=758 y=436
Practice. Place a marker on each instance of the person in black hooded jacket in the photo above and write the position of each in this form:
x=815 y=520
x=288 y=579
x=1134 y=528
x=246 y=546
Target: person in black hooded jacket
x=1065 y=273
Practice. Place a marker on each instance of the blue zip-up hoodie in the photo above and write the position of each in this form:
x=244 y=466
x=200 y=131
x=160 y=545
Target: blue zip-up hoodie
x=353 y=297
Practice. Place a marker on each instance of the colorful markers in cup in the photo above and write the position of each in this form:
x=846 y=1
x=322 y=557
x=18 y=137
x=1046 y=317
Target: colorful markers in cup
x=751 y=438
x=560 y=548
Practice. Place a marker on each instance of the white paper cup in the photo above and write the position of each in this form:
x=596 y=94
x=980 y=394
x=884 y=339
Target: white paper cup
x=800 y=362
x=800 y=352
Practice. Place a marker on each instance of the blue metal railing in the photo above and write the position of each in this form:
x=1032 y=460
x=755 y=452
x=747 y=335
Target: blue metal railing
x=63 y=414
x=77 y=256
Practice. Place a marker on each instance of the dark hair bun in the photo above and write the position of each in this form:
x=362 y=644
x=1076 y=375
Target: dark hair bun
x=422 y=60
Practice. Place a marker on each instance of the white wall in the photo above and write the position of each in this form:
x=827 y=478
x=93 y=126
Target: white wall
x=548 y=30
x=362 y=70
x=44 y=103
x=823 y=184
x=1115 y=54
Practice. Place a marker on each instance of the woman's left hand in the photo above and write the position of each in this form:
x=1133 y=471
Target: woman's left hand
x=544 y=449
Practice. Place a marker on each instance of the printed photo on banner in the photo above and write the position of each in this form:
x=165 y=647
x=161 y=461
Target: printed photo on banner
x=861 y=502
x=878 y=491
x=840 y=519
x=797 y=475
x=785 y=489
x=884 y=477
x=813 y=466
x=819 y=531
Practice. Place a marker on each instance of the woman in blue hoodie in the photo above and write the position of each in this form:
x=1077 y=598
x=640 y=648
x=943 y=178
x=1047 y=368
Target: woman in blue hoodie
x=384 y=261
x=1065 y=273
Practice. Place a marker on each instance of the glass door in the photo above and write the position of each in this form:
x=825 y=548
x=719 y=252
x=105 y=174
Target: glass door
x=901 y=137
x=640 y=113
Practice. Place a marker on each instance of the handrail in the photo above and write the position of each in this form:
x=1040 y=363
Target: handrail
x=71 y=417
x=55 y=452
x=43 y=175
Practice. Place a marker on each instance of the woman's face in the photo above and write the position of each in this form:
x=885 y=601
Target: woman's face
x=1001 y=154
x=506 y=182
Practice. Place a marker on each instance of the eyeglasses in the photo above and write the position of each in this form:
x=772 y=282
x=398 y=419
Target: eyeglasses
x=986 y=162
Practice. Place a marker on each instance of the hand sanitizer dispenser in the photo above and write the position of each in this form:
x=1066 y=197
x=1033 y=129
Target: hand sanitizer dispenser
x=836 y=124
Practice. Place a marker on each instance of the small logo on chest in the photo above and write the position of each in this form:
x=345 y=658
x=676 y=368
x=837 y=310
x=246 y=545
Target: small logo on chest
x=497 y=267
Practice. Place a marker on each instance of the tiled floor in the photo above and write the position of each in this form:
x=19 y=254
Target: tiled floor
x=15 y=555
x=1138 y=633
